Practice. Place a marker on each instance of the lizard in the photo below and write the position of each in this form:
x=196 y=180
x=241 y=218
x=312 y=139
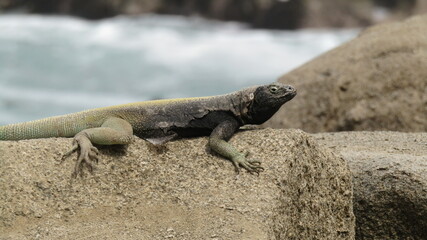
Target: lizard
x=160 y=121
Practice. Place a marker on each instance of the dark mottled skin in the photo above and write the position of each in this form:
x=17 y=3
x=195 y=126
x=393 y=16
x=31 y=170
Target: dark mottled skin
x=161 y=121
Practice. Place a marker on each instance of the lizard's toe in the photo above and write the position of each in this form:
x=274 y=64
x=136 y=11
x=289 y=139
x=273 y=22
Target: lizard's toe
x=89 y=158
x=94 y=154
x=88 y=155
x=71 y=151
x=252 y=166
x=254 y=162
x=94 y=150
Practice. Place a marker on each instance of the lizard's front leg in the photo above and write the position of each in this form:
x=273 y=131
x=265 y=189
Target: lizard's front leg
x=112 y=131
x=218 y=142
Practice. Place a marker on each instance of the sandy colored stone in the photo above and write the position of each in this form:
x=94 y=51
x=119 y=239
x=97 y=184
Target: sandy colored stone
x=178 y=191
x=390 y=181
x=377 y=81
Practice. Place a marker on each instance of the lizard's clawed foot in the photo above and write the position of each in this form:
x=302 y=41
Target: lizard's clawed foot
x=88 y=154
x=252 y=166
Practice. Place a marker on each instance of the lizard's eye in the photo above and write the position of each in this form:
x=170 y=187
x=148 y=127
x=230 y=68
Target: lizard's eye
x=273 y=89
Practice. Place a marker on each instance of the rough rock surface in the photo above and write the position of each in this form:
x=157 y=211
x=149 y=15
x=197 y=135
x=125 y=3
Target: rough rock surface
x=390 y=181
x=377 y=81
x=177 y=191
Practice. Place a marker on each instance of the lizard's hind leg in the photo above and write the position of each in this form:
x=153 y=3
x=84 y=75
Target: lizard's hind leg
x=113 y=131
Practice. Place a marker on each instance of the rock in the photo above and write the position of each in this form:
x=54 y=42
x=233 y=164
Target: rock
x=377 y=81
x=177 y=191
x=285 y=14
x=337 y=14
x=390 y=181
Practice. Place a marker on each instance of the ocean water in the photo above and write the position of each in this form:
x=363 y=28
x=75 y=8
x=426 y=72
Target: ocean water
x=51 y=65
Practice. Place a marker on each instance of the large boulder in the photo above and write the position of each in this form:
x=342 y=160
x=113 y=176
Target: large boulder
x=177 y=191
x=390 y=181
x=377 y=81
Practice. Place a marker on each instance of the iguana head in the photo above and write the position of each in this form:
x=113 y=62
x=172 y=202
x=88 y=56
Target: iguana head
x=267 y=100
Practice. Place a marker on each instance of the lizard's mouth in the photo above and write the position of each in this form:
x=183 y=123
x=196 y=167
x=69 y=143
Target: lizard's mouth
x=290 y=93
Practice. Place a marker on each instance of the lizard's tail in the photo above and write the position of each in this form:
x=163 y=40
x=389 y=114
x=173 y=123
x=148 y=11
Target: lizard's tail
x=61 y=126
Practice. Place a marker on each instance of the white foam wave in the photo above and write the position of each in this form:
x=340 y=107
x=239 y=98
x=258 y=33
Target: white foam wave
x=68 y=63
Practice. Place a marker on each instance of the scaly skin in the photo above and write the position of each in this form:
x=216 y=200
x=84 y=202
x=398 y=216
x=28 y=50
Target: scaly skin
x=160 y=121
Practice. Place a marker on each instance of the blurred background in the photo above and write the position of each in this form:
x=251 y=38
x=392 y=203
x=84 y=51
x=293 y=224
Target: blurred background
x=62 y=56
